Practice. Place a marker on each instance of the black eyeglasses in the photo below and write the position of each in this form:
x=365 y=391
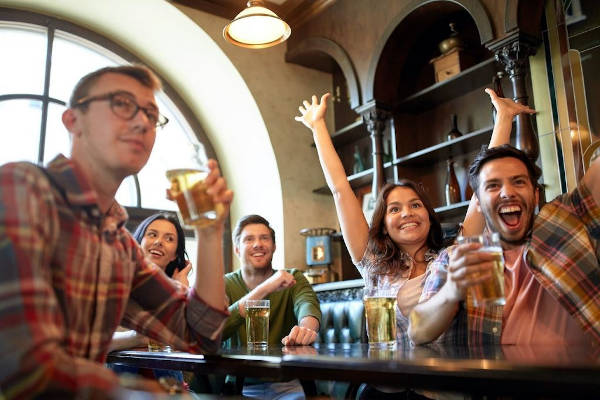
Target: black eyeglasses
x=123 y=105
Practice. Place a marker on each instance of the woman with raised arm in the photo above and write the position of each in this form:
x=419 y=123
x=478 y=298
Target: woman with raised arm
x=405 y=233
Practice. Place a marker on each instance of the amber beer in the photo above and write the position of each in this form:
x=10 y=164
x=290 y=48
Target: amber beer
x=491 y=291
x=153 y=345
x=196 y=207
x=257 y=323
x=380 y=311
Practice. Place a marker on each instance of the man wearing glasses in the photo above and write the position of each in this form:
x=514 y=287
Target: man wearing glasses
x=71 y=273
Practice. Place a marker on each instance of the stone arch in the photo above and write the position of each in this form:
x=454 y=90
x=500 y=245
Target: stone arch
x=337 y=53
x=473 y=7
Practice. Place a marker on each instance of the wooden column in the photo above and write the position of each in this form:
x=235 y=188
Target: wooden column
x=513 y=53
x=375 y=116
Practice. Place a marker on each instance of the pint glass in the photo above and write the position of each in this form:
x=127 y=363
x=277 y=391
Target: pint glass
x=380 y=313
x=257 y=323
x=490 y=291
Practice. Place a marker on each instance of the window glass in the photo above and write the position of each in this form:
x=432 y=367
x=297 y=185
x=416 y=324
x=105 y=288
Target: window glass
x=171 y=145
x=21 y=126
x=23 y=58
x=127 y=194
x=58 y=140
x=72 y=58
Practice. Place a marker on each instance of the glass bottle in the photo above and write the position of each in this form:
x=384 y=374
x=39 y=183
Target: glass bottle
x=452 y=187
x=454 y=132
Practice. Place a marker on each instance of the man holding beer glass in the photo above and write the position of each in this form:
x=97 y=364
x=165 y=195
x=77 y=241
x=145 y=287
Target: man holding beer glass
x=551 y=269
x=71 y=272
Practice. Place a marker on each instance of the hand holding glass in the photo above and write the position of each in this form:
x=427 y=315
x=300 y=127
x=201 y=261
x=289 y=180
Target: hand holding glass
x=491 y=291
x=188 y=190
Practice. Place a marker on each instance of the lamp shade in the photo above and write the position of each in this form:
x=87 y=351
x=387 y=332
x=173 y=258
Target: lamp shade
x=256 y=27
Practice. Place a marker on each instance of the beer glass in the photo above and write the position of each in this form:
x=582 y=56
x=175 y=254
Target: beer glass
x=490 y=291
x=153 y=345
x=257 y=323
x=188 y=190
x=380 y=313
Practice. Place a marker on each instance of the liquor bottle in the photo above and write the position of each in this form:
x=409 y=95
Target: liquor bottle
x=497 y=86
x=452 y=187
x=468 y=191
x=359 y=164
x=454 y=132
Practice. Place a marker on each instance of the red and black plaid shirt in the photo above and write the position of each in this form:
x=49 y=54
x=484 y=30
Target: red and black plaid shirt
x=69 y=276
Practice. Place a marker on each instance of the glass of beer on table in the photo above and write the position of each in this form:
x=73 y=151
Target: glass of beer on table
x=491 y=291
x=380 y=313
x=257 y=323
x=153 y=345
x=188 y=190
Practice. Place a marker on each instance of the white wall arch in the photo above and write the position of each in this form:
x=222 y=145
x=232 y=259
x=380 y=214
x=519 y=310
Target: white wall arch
x=177 y=48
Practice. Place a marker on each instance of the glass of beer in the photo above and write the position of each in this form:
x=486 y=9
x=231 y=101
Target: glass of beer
x=490 y=291
x=188 y=190
x=153 y=345
x=257 y=323
x=380 y=313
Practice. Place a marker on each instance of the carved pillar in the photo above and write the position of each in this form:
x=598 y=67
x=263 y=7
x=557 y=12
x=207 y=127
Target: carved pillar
x=375 y=116
x=513 y=53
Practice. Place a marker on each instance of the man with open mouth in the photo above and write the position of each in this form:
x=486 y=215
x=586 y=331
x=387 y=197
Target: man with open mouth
x=551 y=269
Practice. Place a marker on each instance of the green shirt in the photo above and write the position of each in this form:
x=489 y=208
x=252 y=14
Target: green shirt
x=288 y=307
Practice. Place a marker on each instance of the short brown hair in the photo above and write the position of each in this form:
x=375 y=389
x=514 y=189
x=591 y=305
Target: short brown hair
x=503 y=151
x=140 y=73
x=249 y=220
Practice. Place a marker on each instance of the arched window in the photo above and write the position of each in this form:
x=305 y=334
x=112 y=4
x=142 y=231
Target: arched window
x=42 y=60
x=41 y=65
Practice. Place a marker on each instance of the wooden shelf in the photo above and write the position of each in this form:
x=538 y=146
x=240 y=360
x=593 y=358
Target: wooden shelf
x=442 y=151
x=349 y=133
x=453 y=209
x=357 y=180
x=469 y=79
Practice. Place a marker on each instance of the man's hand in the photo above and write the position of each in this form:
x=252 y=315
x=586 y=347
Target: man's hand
x=278 y=281
x=506 y=106
x=181 y=276
x=467 y=267
x=312 y=113
x=299 y=336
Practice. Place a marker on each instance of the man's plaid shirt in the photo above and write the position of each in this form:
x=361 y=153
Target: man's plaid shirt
x=563 y=253
x=69 y=277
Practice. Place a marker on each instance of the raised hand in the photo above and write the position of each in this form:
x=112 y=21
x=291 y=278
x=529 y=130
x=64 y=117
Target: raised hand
x=507 y=106
x=313 y=112
x=181 y=275
x=279 y=280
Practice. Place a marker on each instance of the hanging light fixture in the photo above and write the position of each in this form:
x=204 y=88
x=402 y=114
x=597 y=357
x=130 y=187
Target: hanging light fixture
x=256 y=27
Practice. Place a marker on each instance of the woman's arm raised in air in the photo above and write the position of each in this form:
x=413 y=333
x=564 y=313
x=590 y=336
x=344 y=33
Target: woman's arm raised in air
x=506 y=110
x=352 y=220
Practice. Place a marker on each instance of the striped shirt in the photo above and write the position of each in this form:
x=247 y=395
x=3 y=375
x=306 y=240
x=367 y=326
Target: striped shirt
x=563 y=253
x=70 y=276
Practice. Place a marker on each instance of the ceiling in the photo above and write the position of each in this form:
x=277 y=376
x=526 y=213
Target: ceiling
x=294 y=12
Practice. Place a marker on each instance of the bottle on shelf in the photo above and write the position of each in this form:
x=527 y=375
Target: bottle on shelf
x=454 y=132
x=452 y=187
x=359 y=164
x=497 y=87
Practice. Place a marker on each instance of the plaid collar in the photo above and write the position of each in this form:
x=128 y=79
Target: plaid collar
x=78 y=193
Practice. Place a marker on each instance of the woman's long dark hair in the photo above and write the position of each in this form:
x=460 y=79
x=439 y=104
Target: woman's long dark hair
x=180 y=254
x=389 y=257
